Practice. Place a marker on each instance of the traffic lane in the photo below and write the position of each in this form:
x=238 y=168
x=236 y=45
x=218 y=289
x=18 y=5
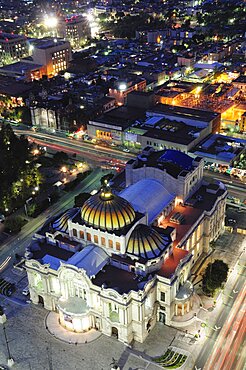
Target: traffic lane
x=222 y=317
x=226 y=336
x=78 y=144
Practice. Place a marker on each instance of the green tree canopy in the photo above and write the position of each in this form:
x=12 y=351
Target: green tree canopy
x=215 y=275
x=18 y=175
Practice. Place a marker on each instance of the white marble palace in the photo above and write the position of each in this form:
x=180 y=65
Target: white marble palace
x=123 y=261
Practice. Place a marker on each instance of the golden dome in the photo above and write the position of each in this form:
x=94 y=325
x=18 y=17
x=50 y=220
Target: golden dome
x=107 y=211
x=146 y=242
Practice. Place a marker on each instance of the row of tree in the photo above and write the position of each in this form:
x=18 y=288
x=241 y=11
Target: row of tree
x=18 y=173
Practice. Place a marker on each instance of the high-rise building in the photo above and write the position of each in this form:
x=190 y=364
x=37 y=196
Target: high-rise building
x=12 y=47
x=75 y=29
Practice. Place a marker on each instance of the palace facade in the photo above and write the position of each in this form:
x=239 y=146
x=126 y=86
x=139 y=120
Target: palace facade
x=123 y=261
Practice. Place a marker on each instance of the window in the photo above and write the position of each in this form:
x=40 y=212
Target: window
x=103 y=241
x=110 y=243
x=81 y=234
x=163 y=296
x=74 y=232
x=88 y=236
x=96 y=239
x=117 y=246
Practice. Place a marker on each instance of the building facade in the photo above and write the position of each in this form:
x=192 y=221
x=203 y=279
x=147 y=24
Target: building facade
x=75 y=29
x=123 y=261
x=12 y=47
x=53 y=54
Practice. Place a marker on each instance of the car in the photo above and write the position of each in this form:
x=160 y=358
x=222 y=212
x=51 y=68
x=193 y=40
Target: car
x=2 y=218
x=26 y=291
x=126 y=150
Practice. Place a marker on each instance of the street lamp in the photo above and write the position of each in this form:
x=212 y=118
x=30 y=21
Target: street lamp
x=10 y=359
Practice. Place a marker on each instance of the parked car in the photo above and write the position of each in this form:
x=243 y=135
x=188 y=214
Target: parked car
x=26 y=291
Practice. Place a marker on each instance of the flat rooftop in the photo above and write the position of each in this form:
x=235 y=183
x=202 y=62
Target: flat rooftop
x=171 y=263
x=48 y=43
x=122 y=117
x=173 y=161
x=40 y=250
x=20 y=67
x=120 y=280
x=193 y=209
x=190 y=215
x=188 y=113
x=176 y=132
x=4 y=36
x=11 y=87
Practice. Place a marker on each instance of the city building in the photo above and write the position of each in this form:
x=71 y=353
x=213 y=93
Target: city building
x=12 y=47
x=122 y=261
x=23 y=70
x=75 y=29
x=124 y=87
x=161 y=126
x=53 y=54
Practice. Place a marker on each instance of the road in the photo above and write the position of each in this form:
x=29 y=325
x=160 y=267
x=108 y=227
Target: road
x=218 y=344
x=102 y=155
x=230 y=337
x=87 y=150
x=18 y=243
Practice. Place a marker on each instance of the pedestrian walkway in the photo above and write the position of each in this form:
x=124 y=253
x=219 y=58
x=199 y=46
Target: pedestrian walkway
x=56 y=330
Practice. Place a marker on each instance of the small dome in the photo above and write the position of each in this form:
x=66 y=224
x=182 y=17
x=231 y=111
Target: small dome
x=61 y=224
x=107 y=211
x=146 y=242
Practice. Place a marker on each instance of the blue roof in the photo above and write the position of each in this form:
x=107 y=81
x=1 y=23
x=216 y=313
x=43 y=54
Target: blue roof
x=175 y=156
x=54 y=262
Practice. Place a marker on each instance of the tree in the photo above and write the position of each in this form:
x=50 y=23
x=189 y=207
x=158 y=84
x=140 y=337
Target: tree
x=18 y=175
x=14 y=224
x=215 y=275
x=80 y=199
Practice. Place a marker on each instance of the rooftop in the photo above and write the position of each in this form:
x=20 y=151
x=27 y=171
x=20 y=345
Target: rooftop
x=122 y=117
x=173 y=161
x=171 y=263
x=4 y=36
x=47 y=43
x=188 y=113
x=20 y=68
x=9 y=86
x=120 y=280
x=194 y=207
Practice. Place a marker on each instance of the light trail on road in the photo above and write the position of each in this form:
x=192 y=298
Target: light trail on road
x=231 y=334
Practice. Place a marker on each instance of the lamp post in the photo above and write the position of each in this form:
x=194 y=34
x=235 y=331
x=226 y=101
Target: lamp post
x=27 y=204
x=10 y=359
